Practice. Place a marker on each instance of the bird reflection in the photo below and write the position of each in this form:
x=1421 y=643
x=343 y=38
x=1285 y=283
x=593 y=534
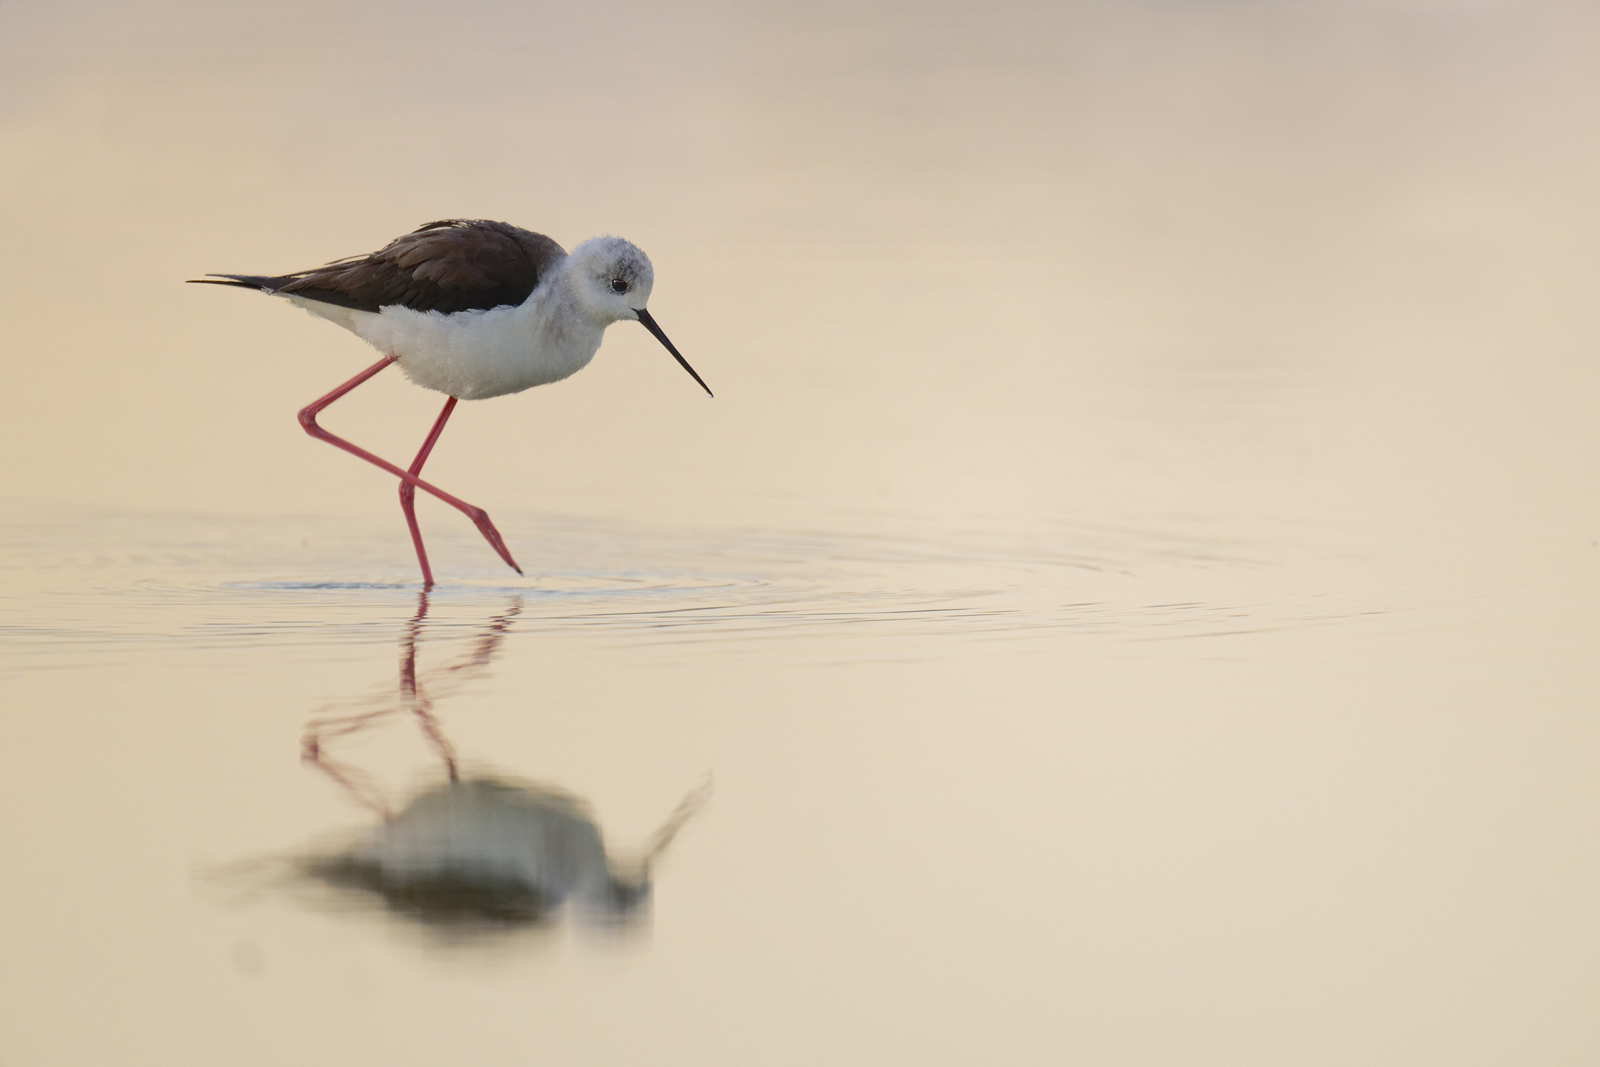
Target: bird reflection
x=476 y=850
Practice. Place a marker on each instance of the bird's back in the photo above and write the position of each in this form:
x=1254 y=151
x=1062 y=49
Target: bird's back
x=446 y=266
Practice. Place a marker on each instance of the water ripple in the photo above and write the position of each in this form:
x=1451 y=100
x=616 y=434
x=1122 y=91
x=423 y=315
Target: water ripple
x=199 y=583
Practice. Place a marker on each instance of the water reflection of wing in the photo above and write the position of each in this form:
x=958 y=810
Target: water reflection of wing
x=491 y=850
x=482 y=849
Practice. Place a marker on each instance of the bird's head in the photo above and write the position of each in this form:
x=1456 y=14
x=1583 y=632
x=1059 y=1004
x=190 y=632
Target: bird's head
x=613 y=279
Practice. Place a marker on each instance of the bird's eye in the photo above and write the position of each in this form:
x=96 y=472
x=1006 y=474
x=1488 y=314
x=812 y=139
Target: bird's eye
x=618 y=285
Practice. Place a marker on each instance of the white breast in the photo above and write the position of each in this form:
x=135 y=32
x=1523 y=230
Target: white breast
x=474 y=355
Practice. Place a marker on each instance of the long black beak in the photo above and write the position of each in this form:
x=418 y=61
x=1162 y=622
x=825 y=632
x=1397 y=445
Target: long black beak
x=650 y=324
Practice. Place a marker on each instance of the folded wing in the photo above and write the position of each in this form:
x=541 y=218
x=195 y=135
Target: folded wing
x=450 y=265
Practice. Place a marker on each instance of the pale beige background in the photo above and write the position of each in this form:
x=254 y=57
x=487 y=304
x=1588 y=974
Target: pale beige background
x=1135 y=587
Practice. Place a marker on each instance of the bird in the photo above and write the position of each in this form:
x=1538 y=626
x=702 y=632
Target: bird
x=473 y=309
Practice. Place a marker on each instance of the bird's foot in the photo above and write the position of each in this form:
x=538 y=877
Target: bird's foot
x=480 y=519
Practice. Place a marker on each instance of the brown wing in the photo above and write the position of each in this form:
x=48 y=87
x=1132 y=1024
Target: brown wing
x=450 y=265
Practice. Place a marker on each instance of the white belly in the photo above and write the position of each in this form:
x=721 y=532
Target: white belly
x=472 y=355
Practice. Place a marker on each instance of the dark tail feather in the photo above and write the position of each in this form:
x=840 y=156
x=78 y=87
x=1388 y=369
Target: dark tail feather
x=244 y=281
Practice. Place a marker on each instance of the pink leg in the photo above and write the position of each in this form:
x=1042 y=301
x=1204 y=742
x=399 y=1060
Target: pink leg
x=479 y=517
x=408 y=492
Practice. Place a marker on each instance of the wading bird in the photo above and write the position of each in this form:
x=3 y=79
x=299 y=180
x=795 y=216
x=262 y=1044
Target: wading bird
x=472 y=309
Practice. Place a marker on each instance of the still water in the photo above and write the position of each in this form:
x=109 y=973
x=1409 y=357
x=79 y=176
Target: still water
x=1133 y=598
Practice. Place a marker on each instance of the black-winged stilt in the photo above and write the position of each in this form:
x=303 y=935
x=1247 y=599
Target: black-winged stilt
x=473 y=309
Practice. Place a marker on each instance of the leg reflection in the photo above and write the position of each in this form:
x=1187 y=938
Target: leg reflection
x=415 y=697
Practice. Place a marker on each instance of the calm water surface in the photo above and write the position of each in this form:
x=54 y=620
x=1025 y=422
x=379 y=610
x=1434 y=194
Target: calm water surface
x=1133 y=599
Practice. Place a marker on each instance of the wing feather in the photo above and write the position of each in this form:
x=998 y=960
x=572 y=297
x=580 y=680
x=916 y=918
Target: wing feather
x=449 y=265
